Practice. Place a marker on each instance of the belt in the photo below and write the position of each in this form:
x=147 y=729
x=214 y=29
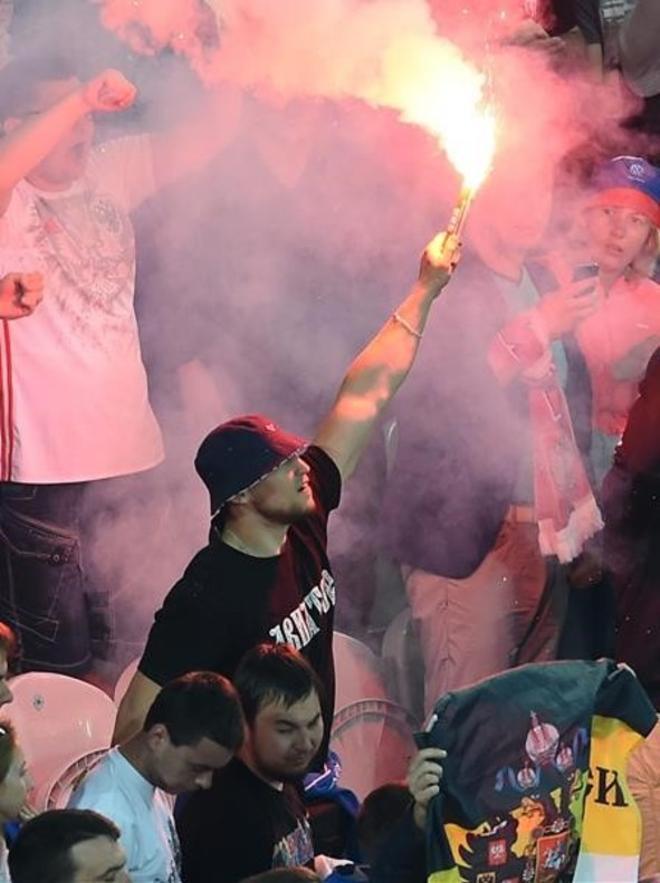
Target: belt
x=521 y=515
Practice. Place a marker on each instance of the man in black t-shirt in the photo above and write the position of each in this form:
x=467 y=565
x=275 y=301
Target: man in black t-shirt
x=265 y=574
x=252 y=818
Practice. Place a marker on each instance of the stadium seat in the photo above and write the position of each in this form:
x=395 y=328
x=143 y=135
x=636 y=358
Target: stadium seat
x=358 y=671
x=374 y=741
x=59 y=720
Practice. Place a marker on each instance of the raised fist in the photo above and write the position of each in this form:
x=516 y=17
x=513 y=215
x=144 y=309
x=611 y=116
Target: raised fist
x=20 y=294
x=109 y=92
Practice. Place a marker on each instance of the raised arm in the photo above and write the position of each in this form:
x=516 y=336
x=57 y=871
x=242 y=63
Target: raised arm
x=381 y=367
x=134 y=706
x=29 y=139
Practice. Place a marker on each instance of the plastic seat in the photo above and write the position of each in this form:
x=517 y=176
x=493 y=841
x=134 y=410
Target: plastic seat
x=403 y=663
x=358 y=671
x=55 y=793
x=124 y=680
x=374 y=741
x=58 y=720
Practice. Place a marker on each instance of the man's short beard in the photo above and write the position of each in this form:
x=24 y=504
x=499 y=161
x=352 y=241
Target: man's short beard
x=291 y=516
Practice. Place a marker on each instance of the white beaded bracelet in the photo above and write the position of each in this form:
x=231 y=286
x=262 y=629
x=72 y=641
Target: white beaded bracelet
x=406 y=325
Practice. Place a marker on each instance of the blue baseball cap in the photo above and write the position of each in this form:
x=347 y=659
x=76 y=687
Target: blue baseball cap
x=240 y=453
x=630 y=182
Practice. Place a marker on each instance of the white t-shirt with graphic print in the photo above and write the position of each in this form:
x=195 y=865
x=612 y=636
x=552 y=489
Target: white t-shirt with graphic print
x=142 y=813
x=73 y=394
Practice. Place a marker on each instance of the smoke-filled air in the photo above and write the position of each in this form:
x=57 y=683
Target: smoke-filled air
x=417 y=241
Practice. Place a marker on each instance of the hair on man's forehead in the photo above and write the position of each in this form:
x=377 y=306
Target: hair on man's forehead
x=283 y=707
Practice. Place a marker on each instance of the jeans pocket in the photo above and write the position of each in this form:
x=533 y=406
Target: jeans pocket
x=43 y=575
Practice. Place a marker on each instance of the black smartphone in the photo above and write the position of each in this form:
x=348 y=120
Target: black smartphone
x=585 y=271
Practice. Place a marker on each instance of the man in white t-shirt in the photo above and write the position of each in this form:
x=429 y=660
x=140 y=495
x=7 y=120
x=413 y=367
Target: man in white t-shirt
x=74 y=406
x=191 y=730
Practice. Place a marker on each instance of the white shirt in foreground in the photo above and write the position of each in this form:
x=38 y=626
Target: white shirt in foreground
x=142 y=813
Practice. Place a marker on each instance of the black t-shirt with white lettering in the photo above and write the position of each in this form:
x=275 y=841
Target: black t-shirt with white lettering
x=227 y=602
x=242 y=826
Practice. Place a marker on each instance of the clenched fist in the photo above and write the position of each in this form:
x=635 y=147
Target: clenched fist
x=108 y=92
x=20 y=294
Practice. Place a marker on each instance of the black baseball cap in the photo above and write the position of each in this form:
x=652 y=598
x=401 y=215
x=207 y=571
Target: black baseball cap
x=241 y=452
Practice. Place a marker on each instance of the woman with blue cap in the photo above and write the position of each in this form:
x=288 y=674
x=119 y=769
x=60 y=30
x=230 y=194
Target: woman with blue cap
x=622 y=219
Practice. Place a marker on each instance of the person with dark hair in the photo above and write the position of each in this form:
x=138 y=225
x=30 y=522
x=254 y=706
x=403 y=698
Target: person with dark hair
x=252 y=818
x=381 y=811
x=14 y=786
x=65 y=206
x=270 y=674
x=192 y=730
x=68 y=846
x=401 y=857
x=265 y=574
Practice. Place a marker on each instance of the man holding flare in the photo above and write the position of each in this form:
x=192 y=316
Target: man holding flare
x=265 y=575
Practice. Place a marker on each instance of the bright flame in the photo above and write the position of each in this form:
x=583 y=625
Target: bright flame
x=442 y=92
x=469 y=142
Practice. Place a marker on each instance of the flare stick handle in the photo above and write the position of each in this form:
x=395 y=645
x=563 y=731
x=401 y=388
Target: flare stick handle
x=459 y=215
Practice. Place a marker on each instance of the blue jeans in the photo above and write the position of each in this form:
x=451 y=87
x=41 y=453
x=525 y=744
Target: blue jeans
x=44 y=595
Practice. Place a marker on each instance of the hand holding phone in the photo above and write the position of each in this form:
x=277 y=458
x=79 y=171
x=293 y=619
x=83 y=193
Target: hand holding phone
x=564 y=309
x=585 y=271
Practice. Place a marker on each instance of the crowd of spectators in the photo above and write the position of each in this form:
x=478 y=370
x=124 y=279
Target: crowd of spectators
x=529 y=534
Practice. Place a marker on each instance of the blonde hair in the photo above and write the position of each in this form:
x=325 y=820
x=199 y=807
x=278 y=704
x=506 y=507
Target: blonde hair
x=644 y=264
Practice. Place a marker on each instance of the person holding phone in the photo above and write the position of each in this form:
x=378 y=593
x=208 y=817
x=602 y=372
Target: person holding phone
x=621 y=221
x=617 y=241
